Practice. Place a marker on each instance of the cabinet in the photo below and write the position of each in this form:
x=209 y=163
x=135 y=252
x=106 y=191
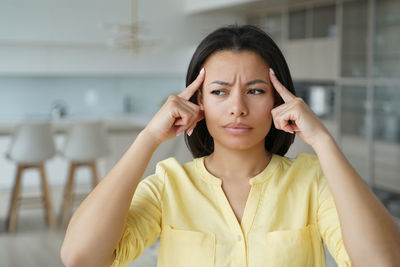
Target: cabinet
x=298 y=25
x=386 y=39
x=271 y=24
x=354 y=143
x=315 y=22
x=386 y=142
x=312 y=43
x=308 y=39
x=307 y=59
x=354 y=39
x=370 y=112
x=366 y=48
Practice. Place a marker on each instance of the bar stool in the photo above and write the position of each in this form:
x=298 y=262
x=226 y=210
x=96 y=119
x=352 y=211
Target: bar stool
x=31 y=145
x=86 y=142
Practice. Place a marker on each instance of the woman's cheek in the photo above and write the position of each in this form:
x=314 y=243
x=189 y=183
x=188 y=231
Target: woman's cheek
x=211 y=119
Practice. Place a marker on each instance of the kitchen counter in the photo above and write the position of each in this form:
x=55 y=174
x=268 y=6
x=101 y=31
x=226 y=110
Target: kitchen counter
x=121 y=132
x=112 y=123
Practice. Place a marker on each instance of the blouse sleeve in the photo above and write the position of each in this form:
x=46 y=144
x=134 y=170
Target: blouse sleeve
x=329 y=224
x=143 y=225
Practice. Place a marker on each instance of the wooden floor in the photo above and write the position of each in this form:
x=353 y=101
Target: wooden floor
x=34 y=245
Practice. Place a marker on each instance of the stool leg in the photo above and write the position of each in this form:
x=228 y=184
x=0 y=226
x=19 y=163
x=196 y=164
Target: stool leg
x=67 y=201
x=95 y=177
x=46 y=198
x=14 y=205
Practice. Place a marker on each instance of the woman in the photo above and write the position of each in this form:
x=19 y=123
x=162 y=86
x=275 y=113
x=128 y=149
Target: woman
x=240 y=202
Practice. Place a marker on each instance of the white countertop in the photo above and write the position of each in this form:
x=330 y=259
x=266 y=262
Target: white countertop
x=113 y=123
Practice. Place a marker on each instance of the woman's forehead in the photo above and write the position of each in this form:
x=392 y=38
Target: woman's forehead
x=226 y=56
x=229 y=62
x=227 y=67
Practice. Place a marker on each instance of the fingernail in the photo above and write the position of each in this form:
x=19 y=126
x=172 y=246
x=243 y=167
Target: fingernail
x=190 y=132
x=201 y=71
x=271 y=71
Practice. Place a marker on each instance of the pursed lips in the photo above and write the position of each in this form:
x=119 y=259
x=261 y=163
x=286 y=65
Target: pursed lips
x=237 y=128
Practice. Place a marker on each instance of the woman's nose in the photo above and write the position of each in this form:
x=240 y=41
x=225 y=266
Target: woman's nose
x=238 y=106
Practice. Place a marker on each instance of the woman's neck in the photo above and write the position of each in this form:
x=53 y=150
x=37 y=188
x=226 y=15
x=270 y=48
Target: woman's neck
x=237 y=164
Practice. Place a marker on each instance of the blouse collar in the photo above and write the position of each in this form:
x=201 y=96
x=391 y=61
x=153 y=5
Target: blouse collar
x=259 y=178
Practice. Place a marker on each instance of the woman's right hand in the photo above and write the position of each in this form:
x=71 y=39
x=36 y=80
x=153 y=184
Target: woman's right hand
x=84 y=235
x=177 y=114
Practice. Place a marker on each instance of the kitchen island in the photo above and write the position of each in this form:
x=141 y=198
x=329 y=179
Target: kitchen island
x=121 y=132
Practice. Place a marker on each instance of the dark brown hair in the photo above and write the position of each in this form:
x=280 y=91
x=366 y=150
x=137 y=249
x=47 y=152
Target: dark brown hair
x=239 y=38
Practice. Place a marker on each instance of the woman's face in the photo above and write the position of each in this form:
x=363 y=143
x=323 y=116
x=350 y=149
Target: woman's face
x=237 y=98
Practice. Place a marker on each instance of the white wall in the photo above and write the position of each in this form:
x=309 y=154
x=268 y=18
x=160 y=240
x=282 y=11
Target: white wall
x=49 y=37
x=195 y=6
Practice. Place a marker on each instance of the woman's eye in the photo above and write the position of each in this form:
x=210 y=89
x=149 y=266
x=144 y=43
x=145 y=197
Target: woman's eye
x=217 y=92
x=256 y=91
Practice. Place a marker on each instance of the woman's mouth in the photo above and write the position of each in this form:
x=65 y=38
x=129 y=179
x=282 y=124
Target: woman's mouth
x=237 y=128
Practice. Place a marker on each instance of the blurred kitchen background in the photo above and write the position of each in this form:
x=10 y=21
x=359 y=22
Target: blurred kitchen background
x=115 y=62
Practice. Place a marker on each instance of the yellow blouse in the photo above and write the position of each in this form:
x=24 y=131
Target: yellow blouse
x=288 y=215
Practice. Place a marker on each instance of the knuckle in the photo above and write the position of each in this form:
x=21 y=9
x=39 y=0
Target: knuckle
x=188 y=123
x=193 y=117
x=276 y=125
x=196 y=108
x=194 y=122
x=299 y=99
x=277 y=115
x=172 y=98
x=278 y=120
x=186 y=118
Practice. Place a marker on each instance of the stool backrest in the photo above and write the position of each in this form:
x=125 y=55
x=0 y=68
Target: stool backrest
x=86 y=141
x=32 y=143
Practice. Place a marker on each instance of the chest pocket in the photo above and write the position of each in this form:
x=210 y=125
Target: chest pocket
x=182 y=248
x=291 y=248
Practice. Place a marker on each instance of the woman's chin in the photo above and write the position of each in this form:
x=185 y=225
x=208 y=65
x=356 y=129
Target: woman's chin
x=240 y=144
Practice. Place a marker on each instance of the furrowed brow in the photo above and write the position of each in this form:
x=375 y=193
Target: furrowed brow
x=248 y=83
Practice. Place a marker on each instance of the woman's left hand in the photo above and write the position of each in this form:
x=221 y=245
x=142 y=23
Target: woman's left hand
x=303 y=120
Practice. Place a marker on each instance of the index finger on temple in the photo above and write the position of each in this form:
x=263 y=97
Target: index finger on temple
x=194 y=86
x=282 y=90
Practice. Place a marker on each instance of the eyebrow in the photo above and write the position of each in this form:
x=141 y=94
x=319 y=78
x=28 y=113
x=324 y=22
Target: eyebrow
x=248 y=83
